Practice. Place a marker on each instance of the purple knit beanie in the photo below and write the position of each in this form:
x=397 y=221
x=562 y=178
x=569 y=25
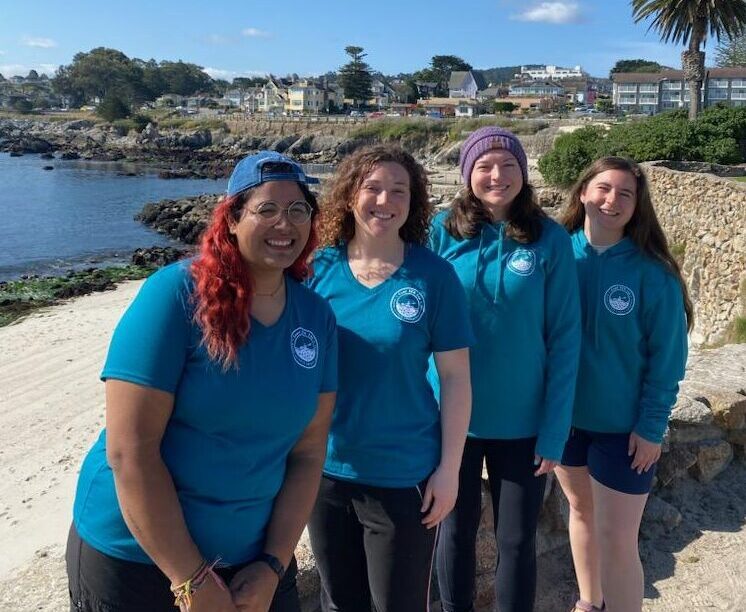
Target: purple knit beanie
x=484 y=139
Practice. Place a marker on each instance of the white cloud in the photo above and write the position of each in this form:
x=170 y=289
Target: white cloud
x=229 y=75
x=35 y=41
x=254 y=33
x=9 y=70
x=217 y=39
x=552 y=12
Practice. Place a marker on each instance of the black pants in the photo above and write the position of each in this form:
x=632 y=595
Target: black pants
x=370 y=542
x=517 y=496
x=100 y=583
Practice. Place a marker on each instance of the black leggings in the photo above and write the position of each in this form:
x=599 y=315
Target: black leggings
x=101 y=583
x=369 y=542
x=517 y=497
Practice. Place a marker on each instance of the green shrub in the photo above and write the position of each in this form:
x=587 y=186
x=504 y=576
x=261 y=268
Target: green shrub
x=717 y=136
x=123 y=126
x=571 y=154
x=140 y=121
x=113 y=107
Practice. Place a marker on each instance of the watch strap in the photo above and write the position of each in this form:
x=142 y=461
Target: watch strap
x=274 y=563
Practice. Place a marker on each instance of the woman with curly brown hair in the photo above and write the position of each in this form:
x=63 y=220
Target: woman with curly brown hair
x=220 y=383
x=391 y=472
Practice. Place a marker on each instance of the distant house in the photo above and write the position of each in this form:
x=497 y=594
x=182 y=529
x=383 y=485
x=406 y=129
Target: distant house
x=274 y=96
x=542 y=89
x=305 y=97
x=235 y=97
x=654 y=92
x=489 y=94
x=450 y=107
x=467 y=108
x=426 y=89
x=335 y=96
x=464 y=84
x=169 y=101
x=550 y=73
x=383 y=95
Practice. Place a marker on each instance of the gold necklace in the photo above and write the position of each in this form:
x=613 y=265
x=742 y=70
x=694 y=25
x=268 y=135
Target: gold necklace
x=276 y=290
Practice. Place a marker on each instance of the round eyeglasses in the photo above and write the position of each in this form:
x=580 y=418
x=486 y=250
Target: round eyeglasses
x=269 y=213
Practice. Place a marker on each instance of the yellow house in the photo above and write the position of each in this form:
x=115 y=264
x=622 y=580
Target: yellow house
x=305 y=98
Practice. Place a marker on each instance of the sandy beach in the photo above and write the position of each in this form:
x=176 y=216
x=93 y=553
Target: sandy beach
x=51 y=409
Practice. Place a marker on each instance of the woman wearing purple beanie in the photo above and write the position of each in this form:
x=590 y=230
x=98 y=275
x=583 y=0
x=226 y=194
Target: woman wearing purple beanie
x=518 y=271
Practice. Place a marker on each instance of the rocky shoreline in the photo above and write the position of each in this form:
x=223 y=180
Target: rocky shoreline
x=18 y=298
x=199 y=153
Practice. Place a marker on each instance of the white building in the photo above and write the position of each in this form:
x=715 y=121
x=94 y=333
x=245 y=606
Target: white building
x=550 y=73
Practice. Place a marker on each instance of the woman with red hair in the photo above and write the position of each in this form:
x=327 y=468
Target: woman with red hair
x=220 y=384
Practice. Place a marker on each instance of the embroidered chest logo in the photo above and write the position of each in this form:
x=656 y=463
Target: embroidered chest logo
x=305 y=347
x=522 y=262
x=619 y=300
x=408 y=304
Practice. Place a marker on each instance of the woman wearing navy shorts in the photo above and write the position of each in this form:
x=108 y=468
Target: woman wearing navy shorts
x=391 y=472
x=635 y=317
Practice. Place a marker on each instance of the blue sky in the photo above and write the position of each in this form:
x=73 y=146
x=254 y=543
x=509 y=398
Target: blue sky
x=232 y=38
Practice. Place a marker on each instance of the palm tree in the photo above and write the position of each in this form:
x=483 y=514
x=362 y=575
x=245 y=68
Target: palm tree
x=688 y=22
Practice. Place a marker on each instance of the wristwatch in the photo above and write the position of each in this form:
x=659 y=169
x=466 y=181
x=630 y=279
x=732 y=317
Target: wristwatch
x=273 y=562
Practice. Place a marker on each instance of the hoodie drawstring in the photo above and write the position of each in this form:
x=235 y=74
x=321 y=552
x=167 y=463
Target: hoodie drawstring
x=499 y=284
x=480 y=261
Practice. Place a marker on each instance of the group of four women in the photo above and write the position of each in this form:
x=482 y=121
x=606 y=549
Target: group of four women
x=487 y=334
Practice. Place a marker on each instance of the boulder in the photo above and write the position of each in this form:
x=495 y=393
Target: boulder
x=675 y=464
x=659 y=516
x=712 y=458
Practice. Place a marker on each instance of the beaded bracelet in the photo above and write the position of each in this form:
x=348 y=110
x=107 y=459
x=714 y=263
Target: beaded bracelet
x=183 y=592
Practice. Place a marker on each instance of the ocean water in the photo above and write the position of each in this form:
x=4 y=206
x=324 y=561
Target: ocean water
x=80 y=214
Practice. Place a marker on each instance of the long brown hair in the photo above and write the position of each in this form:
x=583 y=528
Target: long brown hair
x=337 y=220
x=223 y=286
x=522 y=224
x=643 y=228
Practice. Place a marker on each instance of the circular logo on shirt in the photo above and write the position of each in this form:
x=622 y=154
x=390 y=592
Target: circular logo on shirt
x=522 y=261
x=408 y=304
x=305 y=347
x=619 y=300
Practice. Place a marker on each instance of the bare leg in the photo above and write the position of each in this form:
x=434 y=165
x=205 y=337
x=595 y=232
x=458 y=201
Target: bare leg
x=576 y=485
x=618 y=517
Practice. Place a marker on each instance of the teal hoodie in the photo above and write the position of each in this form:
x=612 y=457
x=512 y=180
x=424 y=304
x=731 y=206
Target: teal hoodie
x=523 y=304
x=634 y=340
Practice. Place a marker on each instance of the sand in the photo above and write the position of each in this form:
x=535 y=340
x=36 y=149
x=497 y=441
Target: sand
x=51 y=410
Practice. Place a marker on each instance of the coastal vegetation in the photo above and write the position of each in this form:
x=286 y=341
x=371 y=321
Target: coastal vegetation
x=18 y=298
x=717 y=136
x=420 y=127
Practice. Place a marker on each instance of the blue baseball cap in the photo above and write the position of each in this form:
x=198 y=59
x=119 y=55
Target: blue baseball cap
x=250 y=172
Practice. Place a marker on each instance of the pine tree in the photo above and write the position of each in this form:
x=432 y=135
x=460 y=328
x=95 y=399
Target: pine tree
x=731 y=52
x=355 y=78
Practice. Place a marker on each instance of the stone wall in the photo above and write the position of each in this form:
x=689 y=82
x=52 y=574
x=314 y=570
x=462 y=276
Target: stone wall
x=704 y=218
x=706 y=432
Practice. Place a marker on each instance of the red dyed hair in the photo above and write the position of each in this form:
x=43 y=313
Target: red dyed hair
x=223 y=286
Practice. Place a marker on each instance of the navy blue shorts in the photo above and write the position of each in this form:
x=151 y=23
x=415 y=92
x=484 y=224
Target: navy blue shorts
x=606 y=456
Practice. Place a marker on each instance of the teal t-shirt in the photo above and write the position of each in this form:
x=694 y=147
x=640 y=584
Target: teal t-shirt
x=634 y=340
x=228 y=438
x=523 y=305
x=386 y=426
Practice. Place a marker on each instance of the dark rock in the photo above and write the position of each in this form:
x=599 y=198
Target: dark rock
x=158 y=256
x=16 y=154
x=70 y=155
x=46 y=156
x=47 y=167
